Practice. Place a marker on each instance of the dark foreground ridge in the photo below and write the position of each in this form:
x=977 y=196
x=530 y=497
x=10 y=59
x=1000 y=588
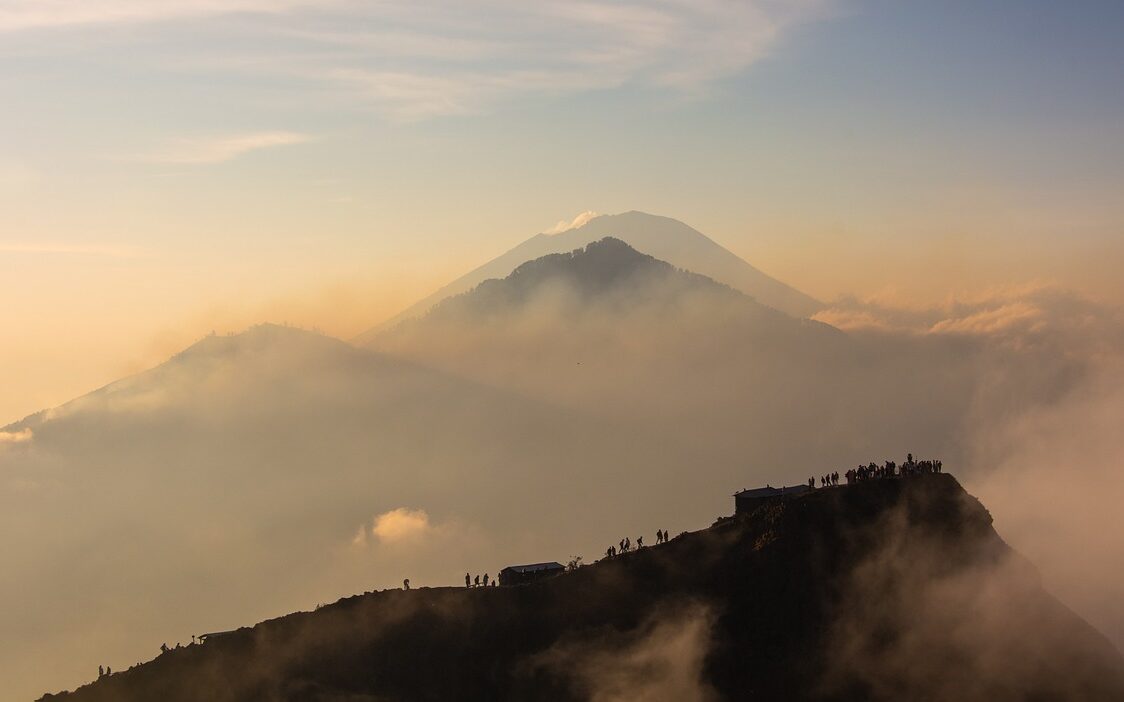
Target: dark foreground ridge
x=894 y=589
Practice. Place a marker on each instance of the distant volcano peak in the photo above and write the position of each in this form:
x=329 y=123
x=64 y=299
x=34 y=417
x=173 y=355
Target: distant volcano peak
x=664 y=238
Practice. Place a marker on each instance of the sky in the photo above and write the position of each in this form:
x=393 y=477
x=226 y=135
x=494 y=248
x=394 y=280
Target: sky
x=169 y=167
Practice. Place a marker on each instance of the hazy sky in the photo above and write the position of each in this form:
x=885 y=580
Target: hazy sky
x=169 y=166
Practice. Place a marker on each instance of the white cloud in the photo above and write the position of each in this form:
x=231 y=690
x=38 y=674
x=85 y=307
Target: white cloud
x=579 y=221
x=396 y=526
x=409 y=61
x=220 y=149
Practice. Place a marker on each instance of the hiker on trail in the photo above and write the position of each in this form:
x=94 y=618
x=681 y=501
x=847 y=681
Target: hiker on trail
x=627 y=544
x=485 y=580
x=467 y=580
x=639 y=542
x=609 y=552
x=108 y=670
x=622 y=545
x=812 y=483
x=163 y=648
x=101 y=671
x=476 y=581
x=406 y=584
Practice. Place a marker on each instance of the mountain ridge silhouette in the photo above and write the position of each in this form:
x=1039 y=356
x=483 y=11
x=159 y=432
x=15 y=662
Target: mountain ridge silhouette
x=773 y=604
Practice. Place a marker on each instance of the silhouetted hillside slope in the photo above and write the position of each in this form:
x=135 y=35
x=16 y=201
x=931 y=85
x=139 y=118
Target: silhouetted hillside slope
x=665 y=238
x=888 y=590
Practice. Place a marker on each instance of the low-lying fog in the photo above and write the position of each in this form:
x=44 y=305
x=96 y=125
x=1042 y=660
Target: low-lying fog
x=257 y=474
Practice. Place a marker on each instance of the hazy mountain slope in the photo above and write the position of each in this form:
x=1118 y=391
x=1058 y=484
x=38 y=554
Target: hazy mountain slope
x=888 y=590
x=614 y=333
x=662 y=237
x=604 y=274
x=241 y=478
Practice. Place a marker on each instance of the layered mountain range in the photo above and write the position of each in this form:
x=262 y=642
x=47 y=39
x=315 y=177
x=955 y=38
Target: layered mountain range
x=256 y=473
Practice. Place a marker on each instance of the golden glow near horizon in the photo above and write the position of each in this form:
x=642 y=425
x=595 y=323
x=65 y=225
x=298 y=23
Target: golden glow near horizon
x=167 y=169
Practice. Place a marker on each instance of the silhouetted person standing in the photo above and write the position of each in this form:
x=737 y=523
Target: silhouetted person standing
x=485 y=580
x=476 y=581
x=101 y=671
x=639 y=542
x=467 y=580
x=406 y=584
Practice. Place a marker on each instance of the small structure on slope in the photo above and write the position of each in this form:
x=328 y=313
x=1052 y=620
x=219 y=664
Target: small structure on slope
x=522 y=574
x=747 y=500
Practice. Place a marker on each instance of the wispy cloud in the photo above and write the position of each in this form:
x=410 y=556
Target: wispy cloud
x=16 y=15
x=579 y=221
x=411 y=61
x=219 y=149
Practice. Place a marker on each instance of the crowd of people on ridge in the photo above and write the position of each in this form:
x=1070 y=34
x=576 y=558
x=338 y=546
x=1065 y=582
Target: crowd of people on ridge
x=889 y=469
x=625 y=544
x=470 y=582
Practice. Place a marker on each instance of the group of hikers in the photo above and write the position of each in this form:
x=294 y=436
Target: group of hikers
x=104 y=671
x=825 y=480
x=889 y=469
x=625 y=544
x=469 y=581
